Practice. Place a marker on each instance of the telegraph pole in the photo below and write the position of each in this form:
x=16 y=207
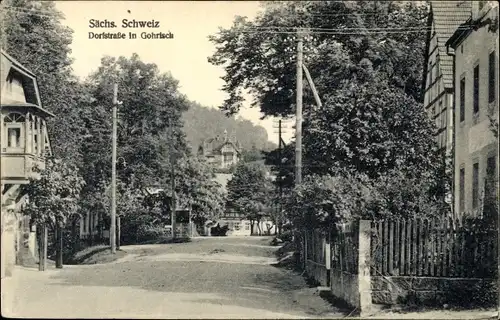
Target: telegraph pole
x=280 y=182
x=112 y=229
x=298 y=110
x=172 y=177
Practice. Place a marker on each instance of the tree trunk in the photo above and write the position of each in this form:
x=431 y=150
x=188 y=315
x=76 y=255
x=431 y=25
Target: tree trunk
x=258 y=228
x=118 y=232
x=42 y=265
x=91 y=230
x=74 y=236
x=59 y=246
x=251 y=227
x=39 y=239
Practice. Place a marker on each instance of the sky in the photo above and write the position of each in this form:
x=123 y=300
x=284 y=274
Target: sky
x=184 y=56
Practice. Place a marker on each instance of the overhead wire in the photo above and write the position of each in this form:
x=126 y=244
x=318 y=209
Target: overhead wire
x=275 y=29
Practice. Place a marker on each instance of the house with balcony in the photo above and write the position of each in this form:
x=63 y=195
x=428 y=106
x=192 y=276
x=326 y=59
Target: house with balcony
x=221 y=151
x=24 y=145
x=474 y=49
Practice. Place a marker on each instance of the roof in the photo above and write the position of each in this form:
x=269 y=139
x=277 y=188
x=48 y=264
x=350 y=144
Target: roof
x=30 y=86
x=5 y=103
x=447 y=17
x=218 y=148
x=216 y=143
x=16 y=63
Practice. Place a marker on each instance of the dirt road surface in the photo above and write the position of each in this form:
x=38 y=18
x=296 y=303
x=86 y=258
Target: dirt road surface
x=207 y=278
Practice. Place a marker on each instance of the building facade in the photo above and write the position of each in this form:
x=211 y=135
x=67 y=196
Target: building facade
x=24 y=144
x=444 y=18
x=222 y=152
x=474 y=48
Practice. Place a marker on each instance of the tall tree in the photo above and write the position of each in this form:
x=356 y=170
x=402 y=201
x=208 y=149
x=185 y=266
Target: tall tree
x=370 y=129
x=366 y=60
x=150 y=101
x=53 y=198
x=33 y=34
x=256 y=55
x=250 y=191
x=197 y=189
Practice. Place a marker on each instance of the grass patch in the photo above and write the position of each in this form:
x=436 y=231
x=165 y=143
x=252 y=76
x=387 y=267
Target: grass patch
x=95 y=255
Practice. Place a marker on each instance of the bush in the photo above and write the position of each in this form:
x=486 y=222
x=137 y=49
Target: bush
x=286 y=236
x=219 y=231
x=152 y=233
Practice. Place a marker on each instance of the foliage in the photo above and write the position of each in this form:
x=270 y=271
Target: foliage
x=369 y=129
x=323 y=200
x=250 y=190
x=252 y=154
x=371 y=121
x=197 y=189
x=150 y=101
x=53 y=198
x=398 y=194
x=219 y=231
x=147 y=233
x=255 y=60
x=201 y=122
x=284 y=166
x=42 y=44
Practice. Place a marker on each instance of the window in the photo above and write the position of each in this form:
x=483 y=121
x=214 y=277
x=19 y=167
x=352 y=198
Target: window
x=491 y=78
x=462 y=190
x=14 y=135
x=462 y=99
x=475 y=185
x=476 y=89
x=228 y=157
x=247 y=225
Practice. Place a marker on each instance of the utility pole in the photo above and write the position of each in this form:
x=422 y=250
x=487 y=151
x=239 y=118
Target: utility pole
x=112 y=229
x=298 y=130
x=298 y=110
x=172 y=177
x=280 y=182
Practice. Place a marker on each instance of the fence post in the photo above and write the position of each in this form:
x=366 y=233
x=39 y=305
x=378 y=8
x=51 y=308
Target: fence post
x=364 y=262
x=328 y=257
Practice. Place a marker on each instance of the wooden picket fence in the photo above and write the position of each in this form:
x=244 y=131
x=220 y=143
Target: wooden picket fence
x=345 y=248
x=316 y=241
x=433 y=248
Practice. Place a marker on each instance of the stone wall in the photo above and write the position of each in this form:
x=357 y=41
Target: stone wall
x=431 y=291
x=318 y=272
x=345 y=286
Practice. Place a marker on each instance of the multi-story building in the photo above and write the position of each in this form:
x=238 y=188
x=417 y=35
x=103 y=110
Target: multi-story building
x=222 y=152
x=444 y=18
x=474 y=48
x=24 y=144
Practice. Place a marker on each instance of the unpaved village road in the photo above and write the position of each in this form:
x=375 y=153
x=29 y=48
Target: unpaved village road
x=207 y=278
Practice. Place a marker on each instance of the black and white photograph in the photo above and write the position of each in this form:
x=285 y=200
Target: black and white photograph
x=249 y=159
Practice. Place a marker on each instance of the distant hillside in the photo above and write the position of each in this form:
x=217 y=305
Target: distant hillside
x=201 y=123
